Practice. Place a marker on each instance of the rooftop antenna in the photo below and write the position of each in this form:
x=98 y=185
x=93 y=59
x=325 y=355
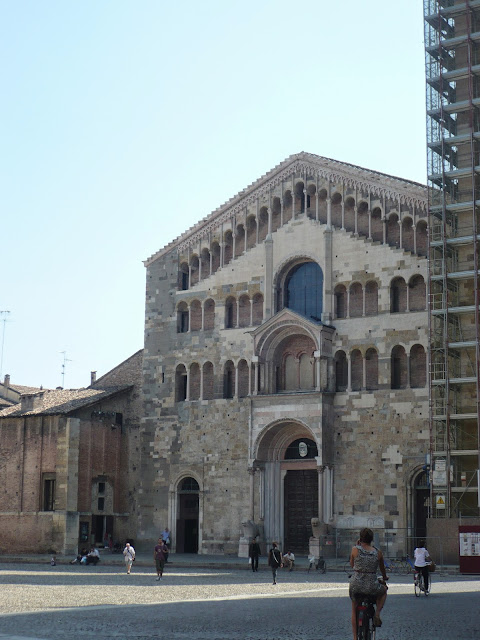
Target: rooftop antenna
x=4 y=315
x=64 y=364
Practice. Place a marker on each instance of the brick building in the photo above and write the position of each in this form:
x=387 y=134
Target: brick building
x=285 y=364
x=70 y=461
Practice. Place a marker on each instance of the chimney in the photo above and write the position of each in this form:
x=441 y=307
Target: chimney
x=93 y=377
x=31 y=401
x=6 y=381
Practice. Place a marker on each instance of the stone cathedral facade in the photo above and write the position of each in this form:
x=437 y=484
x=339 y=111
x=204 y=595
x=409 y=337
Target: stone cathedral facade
x=285 y=366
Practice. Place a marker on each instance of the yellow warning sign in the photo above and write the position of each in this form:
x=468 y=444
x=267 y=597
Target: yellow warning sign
x=440 y=502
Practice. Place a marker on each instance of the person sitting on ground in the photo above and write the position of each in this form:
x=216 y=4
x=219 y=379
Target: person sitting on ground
x=366 y=560
x=289 y=560
x=93 y=556
x=422 y=558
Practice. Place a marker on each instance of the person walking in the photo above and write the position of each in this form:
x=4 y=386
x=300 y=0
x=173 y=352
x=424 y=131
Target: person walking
x=254 y=553
x=129 y=554
x=165 y=535
x=159 y=553
x=274 y=560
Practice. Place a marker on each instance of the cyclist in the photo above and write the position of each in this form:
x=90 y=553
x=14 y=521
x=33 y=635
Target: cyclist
x=422 y=558
x=365 y=561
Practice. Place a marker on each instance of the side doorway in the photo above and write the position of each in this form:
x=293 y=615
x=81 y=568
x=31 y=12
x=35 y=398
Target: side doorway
x=188 y=516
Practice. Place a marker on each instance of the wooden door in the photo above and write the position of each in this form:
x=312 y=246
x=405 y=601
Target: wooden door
x=301 y=505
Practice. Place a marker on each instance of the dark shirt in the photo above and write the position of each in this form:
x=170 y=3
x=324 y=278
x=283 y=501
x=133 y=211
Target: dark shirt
x=253 y=549
x=160 y=551
x=274 y=558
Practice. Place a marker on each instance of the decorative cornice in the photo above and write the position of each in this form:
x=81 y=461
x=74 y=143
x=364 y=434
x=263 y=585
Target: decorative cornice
x=311 y=166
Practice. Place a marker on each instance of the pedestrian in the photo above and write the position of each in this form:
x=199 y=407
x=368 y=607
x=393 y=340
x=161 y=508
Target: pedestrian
x=289 y=560
x=93 y=556
x=274 y=560
x=159 y=557
x=254 y=553
x=129 y=553
x=165 y=535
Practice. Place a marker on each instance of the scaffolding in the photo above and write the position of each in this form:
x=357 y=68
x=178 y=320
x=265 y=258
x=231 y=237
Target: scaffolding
x=452 y=62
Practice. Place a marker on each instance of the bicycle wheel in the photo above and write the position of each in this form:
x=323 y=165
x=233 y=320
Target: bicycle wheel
x=416 y=585
x=362 y=625
x=391 y=566
x=427 y=591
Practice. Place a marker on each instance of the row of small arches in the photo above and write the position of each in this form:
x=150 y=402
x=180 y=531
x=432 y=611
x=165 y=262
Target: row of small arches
x=245 y=312
x=357 y=371
x=395 y=231
x=353 y=372
x=360 y=301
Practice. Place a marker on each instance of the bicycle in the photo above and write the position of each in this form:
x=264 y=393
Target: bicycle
x=365 y=614
x=320 y=564
x=391 y=565
x=419 y=584
x=406 y=566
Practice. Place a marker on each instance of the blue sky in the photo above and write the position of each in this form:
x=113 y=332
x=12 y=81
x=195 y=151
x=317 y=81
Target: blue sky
x=124 y=123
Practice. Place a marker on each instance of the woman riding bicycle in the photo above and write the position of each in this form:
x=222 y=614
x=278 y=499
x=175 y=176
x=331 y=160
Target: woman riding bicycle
x=422 y=560
x=365 y=561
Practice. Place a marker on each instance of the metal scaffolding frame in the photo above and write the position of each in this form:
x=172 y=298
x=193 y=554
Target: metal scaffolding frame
x=452 y=63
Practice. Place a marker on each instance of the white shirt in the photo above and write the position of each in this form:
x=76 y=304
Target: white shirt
x=421 y=557
x=289 y=556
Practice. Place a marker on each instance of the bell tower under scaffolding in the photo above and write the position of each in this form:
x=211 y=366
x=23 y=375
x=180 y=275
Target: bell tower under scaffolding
x=452 y=54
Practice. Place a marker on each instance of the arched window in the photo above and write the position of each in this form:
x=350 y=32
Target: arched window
x=422 y=243
x=294 y=364
x=377 y=225
x=337 y=210
x=407 y=234
x=340 y=301
x=243 y=373
x=393 y=231
x=228 y=247
x=341 y=371
x=355 y=305
x=371 y=369
x=398 y=296
x=230 y=313
x=194 y=382
x=208 y=381
x=182 y=318
x=356 y=363
x=251 y=232
x=362 y=218
x=215 y=256
x=180 y=383
x=276 y=213
x=208 y=314
x=257 y=309
x=194 y=270
x=195 y=316
x=371 y=298
x=398 y=368
x=417 y=294
x=228 y=380
x=205 y=263
x=418 y=366
x=262 y=224
x=304 y=290
x=244 y=311
x=183 y=277
x=240 y=240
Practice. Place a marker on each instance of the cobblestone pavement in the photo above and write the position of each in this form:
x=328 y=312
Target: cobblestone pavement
x=78 y=603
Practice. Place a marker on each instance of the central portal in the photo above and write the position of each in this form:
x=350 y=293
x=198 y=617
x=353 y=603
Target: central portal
x=300 y=506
